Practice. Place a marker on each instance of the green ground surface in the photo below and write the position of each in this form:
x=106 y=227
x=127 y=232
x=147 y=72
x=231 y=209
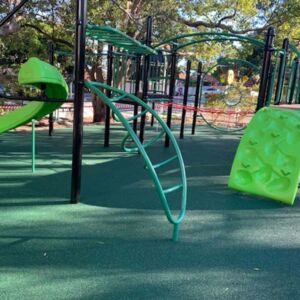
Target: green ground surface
x=116 y=243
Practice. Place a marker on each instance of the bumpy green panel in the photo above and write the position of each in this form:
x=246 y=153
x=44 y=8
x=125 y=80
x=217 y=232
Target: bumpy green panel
x=267 y=162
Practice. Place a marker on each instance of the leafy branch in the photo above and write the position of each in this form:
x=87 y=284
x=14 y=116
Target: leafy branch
x=47 y=35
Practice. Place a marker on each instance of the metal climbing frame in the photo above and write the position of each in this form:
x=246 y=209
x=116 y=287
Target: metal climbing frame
x=198 y=112
x=118 y=95
x=177 y=43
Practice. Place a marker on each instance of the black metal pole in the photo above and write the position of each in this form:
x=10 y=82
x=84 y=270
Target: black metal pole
x=137 y=89
x=298 y=91
x=51 y=61
x=108 y=94
x=13 y=12
x=171 y=92
x=281 y=71
x=269 y=92
x=155 y=87
x=268 y=50
x=185 y=97
x=78 y=104
x=198 y=83
x=294 y=80
x=200 y=90
x=145 y=76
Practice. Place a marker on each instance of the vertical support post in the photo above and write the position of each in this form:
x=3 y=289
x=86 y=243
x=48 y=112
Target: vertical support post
x=154 y=89
x=281 y=71
x=185 y=97
x=108 y=94
x=175 y=233
x=137 y=89
x=124 y=67
x=271 y=83
x=171 y=93
x=145 y=77
x=294 y=80
x=268 y=50
x=152 y=117
x=165 y=74
x=298 y=91
x=78 y=100
x=132 y=69
x=291 y=76
x=196 y=102
x=201 y=87
x=33 y=145
x=51 y=62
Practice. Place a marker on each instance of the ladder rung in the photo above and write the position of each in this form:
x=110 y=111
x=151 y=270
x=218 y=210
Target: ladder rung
x=116 y=99
x=173 y=188
x=163 y=162
x=138 y=115
x=154 y=140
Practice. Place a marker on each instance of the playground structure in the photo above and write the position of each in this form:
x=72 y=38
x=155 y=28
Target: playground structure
x=160 y=75
x=166 y=84
x=266 y=161
x=44 y=77
x=56 y=81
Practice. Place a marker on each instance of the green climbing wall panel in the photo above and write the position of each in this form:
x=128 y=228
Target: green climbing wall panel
x=267 y=162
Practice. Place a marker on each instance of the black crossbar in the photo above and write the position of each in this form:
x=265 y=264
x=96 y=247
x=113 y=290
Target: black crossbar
x=38 y=99
x=13 y=12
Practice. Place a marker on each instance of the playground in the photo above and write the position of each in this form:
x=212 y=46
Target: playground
x=140 y=167
x=115 y=243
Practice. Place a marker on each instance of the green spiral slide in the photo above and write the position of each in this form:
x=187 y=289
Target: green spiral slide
x=36 y=72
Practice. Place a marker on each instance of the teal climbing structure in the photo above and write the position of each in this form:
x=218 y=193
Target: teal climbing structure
x=267 y=162
x=132 y=144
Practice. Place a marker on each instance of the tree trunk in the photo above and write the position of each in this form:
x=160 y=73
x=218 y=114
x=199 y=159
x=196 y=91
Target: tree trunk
x=96 y=74
x=99 y=110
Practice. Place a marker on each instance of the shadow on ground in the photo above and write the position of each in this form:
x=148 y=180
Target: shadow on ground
x=116 y=243
x=112 y=178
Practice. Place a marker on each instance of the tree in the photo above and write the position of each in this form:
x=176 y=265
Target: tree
x=53 y=20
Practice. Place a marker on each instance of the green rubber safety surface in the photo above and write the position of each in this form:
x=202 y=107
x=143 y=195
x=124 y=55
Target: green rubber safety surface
x=267 y=161
x=116 y=245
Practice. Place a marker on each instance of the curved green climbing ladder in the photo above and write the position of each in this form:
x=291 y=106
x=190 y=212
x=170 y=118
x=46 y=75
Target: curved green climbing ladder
x=98 y=89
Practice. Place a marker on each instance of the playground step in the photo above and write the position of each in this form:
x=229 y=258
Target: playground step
x=137 y=116
x=116 y=99
x=164 y=162
x=154 y=140
x=173 y=188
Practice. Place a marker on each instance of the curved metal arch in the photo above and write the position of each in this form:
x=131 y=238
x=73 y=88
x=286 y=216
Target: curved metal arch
x=217 y=39
x=223 y=35
x=294 y=49
x=238 y=60
x=233 y=60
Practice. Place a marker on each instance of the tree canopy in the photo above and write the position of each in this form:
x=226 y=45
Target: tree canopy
x=41 y=21
x=44 y=20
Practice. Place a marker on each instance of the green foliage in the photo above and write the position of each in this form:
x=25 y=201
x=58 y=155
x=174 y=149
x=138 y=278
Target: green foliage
x=45 y=20
x=53 y=19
